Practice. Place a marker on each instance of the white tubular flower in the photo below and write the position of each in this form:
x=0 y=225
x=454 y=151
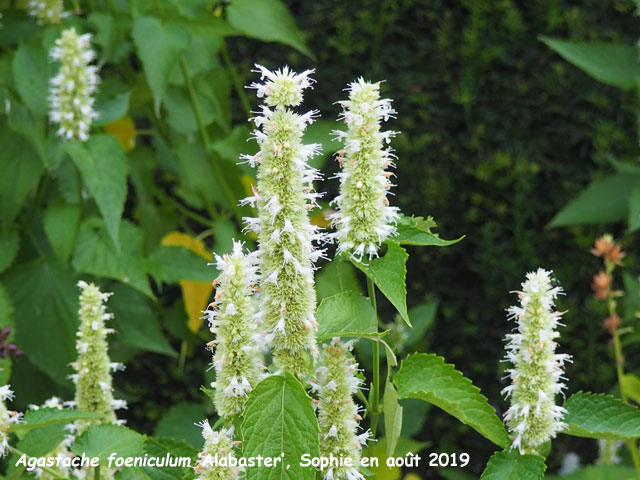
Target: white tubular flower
x=7 y=417
x=533 y=417
x=93 y=366
x=364 y=218
x=71 y=90
x=285 y=235
x=46 y=12
x=238 y=359
x=338 y=415
x=217 y=445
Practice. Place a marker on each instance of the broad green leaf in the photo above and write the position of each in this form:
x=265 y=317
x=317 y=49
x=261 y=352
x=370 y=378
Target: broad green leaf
x=392 y=417
x=417 y=231
x=21 y=171
x=427 y=377
x=279 y=418
x=111 y=109
x=6 y=320
x=634 y=209
x=510 y=465
x=95 y=254
x=135 y=322
x=267 y=20
x=180 y=114
x=30 y=126
x=422 y=317
x=171 y=264
x=335 y=277
x=159 y=48
x=615 y=64
x=603 y=201
x=45 y=417
x=38 y=442
x=631 y=299
x=180 y=423
x=631 y=385
x=104 y=439
x=45 y=299
x=346 y=314
x=61 y=222
x=159 y=447
x=31 y=72
x=9 y=243
x=206 y=25
x=389 y=273
x=593 y=415
x=598 y=472
x=104 y=168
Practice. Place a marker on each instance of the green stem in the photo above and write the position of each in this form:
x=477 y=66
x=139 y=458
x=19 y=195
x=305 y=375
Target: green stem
x=45 y=469
x=184 y=210
x=375 y=387
x=235 y=79
x=96 y=473
x=205 y=139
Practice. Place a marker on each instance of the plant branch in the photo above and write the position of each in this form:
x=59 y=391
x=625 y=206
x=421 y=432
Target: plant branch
x=375 y=388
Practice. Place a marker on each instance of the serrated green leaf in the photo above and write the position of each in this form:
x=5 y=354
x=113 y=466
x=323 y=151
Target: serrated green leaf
x=601 y=202
x=31 y=72
x=279 y=418
x=45 y=299
x=422 y=317
x=45 y=417
x=159 y=447
x=615 y=64
x=389 y=273
x=267 y=20
x=61 y=222
x=510 y=465
x=95 y=254
x=335 y=277
x=111 y=109
x=428 y=377
x=9 y=243
x=598 y=472
x=417 y=231
x=159 y=48
x=346 y=314
x=180 y=423
x=631 y=385
x=104 y=439
x=30 y=126
x=593 y=415
x=41 y=441
x=171 y=264
x=135 y=322
x=104 y=167
x=392 y=417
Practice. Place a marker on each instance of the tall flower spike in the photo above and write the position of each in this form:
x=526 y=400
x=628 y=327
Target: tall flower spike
x=285 y=235
x=7 y=417
x=364 y=218
x=71 y=90
x=536 y=376
x=338 y=415
x=94 y=392
x=218 y=444
x=238 y=358
x=46 y=12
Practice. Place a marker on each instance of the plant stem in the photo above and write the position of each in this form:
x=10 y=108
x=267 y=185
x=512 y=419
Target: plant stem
x=205 y=139
x=96 y=473
x=375 y=398
x=235 y=79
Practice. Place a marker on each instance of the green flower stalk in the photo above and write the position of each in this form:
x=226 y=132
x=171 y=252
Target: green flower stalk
x=338 y=415
x=364 y=218
x=7 y=417
x=46 y=12
x=536 y=376
x=94 y=391
x=216 y=445
x=71 y=90
x=285 y=235
x=237 y=359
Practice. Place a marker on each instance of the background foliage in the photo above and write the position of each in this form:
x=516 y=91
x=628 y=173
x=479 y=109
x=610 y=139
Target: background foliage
x=499 y=133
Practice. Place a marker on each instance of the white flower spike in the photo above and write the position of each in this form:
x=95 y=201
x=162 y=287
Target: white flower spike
x=217 y=445
x=338 y=415
x=536 y=375
x=237 y=359
x=364 y=218
x=7 y=417
x=284 y=196
x=46 y=12
x=71 y=90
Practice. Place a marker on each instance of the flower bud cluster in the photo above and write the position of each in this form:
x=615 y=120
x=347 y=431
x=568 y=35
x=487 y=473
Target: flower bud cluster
x=71 y=90
x=364 y=218
x=94 y=391
x=216 y=445
x=338 y=415
x=237 y=359
x=284 y=197
x=536 y=375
